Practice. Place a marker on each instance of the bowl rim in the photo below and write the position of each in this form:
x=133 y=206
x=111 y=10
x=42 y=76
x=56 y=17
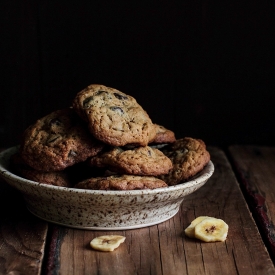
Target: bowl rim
x=5 y=155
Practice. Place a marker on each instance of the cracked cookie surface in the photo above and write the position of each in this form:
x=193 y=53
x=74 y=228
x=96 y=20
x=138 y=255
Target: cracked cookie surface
x=58 y=140
x=114 y=117
x=138 y=161
x=189 y=156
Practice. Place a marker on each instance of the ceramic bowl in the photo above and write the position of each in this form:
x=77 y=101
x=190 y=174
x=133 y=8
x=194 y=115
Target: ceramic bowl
x=97 y=209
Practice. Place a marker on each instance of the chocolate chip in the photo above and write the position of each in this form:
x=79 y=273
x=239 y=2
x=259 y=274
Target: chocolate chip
x=53 y=138
x=117 y=110
x=100 y=92
x=72 y=153
x=55 y=121
x=120 y=97
x=183 y=151
x=86 y=102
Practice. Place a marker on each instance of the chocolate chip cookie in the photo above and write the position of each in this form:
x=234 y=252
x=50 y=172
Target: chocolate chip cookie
x=58 y=140
x=121 y=182
x=138 y=161
x=189 y=156
x=57 y=178
x=114 y=117
x=163 y=135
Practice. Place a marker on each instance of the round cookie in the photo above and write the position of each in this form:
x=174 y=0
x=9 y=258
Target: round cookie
x=114 y=117
x=189 y=156
x=143 y=161
x=58 y=140
x=57 y=178
x=122 y=182
x=163 y=135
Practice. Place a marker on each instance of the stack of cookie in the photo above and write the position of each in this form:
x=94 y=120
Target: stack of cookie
x=106 y=141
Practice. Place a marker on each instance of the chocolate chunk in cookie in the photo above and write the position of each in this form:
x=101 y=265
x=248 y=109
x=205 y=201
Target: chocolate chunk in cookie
x=138 y=161
x=189 y=156
x=114 y=117
x=123 y=182
x=57 y=141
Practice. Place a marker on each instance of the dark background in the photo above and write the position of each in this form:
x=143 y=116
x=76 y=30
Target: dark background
x=204 y=69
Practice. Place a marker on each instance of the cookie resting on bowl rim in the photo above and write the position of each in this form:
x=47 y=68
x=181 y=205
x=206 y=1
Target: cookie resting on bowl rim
x=101 y=209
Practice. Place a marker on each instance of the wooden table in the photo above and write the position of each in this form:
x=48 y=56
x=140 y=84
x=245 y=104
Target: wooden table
x=241 y=192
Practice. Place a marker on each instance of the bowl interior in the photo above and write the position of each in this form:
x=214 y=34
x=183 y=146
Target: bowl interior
x=7 y=173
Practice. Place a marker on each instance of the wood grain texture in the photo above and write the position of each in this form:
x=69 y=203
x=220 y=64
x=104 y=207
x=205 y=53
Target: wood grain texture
x=164 y=249
x=22 y=236
x=255 y=168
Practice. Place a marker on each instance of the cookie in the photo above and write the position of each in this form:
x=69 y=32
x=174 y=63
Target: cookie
x=138 y=161
x=163 y=135
x=58 y=178
x=121 y=182
x=189 y=156
x=114 y=117
x=58 y=140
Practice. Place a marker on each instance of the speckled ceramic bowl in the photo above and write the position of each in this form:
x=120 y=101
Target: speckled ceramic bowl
x=101 y=210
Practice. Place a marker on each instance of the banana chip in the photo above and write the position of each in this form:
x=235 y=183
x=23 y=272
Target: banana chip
x=190 y=230
x=207 y=229
x=107 y=243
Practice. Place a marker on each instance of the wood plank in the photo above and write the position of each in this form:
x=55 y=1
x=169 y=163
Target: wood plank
x=164 y=249
x=22 y=236
x=255 y=168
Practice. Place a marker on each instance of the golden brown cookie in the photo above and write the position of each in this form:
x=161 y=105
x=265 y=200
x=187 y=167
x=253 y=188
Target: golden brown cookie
x=58 y=140
x=138 y=161
x=121 y=182
x=189 y=156
x=163 y=135
x=58 y=178
x=114 y=117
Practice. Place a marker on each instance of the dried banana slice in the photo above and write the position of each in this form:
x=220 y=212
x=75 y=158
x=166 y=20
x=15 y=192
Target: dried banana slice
x=190 y=230
x=107 y=243
x=211 y=230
